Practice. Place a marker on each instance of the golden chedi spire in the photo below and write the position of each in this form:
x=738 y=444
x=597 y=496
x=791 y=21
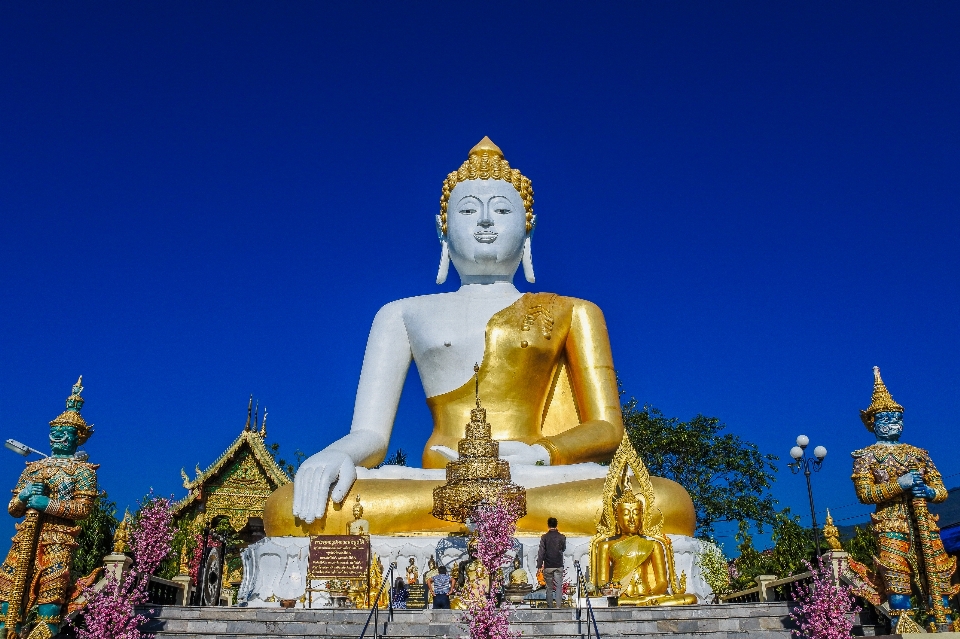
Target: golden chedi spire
x=478 y=475
x=881 y=402
x=72 y=417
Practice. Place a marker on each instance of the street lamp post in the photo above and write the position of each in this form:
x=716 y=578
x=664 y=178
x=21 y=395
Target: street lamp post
x=801 y=462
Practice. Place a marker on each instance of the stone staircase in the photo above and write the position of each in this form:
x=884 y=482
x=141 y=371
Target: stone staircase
x=730 y=621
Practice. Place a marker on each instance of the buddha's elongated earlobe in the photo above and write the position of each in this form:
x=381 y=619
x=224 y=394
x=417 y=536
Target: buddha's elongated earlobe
x=444 y=262
x=527 y=260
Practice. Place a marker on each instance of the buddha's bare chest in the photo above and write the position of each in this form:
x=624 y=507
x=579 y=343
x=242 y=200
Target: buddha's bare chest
x=450 y=331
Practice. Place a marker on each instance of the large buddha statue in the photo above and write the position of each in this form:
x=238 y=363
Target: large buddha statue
x=546 y=376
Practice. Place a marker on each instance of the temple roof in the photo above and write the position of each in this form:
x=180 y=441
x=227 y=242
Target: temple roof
x=240 y=479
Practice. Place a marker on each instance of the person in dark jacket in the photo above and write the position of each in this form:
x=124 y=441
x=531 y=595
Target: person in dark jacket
x=550 y=560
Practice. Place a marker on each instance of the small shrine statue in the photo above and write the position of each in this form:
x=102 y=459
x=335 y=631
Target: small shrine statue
x=121 y=538
x=358 y=526
x=413 y=573
x=518 y=585
x=54 y=494
x=900 y=479
x=630 y=548
x=518 y=575
x=638 y=562
x=431 y=572
x=831 y=534
x=376 y=576
x=474 y=579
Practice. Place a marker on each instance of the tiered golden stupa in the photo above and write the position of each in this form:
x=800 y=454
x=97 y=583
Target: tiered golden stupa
x=479 y=475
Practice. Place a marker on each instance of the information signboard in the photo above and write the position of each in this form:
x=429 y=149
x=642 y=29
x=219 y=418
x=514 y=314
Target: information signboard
x=339 y=557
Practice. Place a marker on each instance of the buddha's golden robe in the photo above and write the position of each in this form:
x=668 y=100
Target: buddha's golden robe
x=547 y=378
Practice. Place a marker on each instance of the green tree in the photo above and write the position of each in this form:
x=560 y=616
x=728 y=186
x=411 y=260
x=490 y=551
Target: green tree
x=750 y=563
x=862 y=546
x=727 y=478
x=399 y=458
x=95 y=540
x=792 y=545
x=289 y=469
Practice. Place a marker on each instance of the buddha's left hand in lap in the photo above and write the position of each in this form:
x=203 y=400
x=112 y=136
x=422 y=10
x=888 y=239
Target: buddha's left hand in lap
x=513 y=452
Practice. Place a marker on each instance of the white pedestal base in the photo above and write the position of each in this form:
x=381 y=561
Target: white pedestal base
x=276 y=567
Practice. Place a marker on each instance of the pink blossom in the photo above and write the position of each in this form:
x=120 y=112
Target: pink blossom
x=109 y=613
x=496 y=524
x=825 y=608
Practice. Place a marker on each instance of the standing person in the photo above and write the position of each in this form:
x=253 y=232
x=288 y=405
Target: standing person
x=439 y=586
x=550 y=560
x=400 y=594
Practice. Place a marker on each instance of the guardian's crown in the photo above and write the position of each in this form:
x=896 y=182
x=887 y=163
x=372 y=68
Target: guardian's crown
x=72 y=417
x=881 y=402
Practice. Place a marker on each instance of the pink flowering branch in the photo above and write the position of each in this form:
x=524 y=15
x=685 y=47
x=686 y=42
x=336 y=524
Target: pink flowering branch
x=825 y=608
x=110 y=613
x=496 y=523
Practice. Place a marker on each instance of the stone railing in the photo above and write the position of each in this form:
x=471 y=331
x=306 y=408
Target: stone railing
x=161 y=591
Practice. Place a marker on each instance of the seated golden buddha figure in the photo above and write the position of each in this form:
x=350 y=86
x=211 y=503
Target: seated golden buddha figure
x=640 y=564
x=546 y=376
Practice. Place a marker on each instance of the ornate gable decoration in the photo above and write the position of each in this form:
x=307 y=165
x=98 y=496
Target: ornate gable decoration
x=238 y=483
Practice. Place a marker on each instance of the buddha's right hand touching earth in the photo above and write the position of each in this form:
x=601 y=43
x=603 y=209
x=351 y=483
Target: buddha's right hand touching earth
x=314 y=479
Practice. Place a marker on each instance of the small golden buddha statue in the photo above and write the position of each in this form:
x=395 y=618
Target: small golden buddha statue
x=376 y=576
x=637 y=562
x=518 y=585
x=476 y=584
x=430 y=573
x=358 y=526
x=413 y=573
x=631 y=552
x=518 y=575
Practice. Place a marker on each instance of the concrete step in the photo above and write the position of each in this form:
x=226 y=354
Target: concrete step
x=729 y=621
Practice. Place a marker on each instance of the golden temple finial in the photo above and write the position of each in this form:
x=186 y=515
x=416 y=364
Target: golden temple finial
x=486 y=162
x=249 y=413
x=263 y=424
x=831 y=533
x=476 y=380
x=71 y=416
x=487 y=146
x=880 y=402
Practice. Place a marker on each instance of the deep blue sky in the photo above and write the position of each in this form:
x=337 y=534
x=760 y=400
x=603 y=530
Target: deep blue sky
x=206 y=200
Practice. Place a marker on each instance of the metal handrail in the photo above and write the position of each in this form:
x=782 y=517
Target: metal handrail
x=375 y=611
x=581 y=586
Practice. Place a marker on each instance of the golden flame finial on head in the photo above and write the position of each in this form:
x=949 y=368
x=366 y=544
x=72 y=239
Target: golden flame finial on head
x=880 y=402
x=71 y=416
x=486 y=162
x=627 y=496
x=486 y=145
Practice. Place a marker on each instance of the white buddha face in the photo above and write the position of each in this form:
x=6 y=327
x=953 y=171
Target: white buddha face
x=486 y=226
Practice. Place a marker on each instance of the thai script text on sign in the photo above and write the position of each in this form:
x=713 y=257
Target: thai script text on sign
x=339 y=557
